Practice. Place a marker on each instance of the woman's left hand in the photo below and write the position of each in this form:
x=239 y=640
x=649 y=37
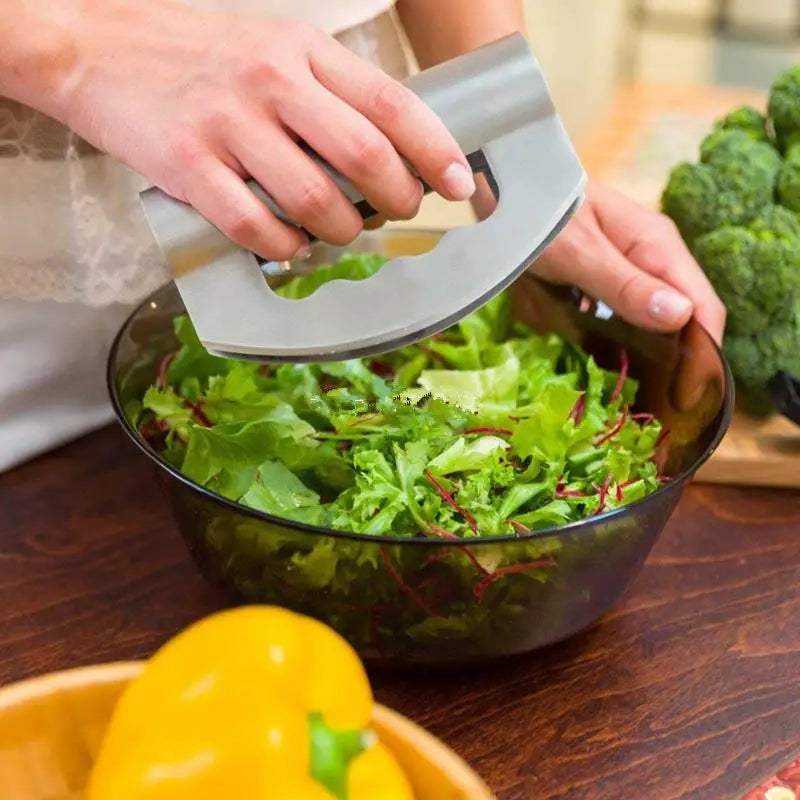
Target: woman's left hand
x=633 y=260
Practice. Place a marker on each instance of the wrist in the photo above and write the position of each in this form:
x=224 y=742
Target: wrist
x=40 y=53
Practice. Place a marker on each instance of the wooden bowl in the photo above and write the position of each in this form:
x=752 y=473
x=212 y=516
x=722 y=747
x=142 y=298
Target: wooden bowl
x=51 y=729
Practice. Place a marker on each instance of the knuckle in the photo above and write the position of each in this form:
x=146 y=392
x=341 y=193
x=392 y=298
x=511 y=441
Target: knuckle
x=370 y=152
x=217 y=119
x=346 y=232
x=258 y=74
x=241 y=226
x=407 y=205
x=314 y=198
x=388 y=101
x=625 y=291
x=185 y=150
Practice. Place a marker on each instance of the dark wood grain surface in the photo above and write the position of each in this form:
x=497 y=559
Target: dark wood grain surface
x=690 y=688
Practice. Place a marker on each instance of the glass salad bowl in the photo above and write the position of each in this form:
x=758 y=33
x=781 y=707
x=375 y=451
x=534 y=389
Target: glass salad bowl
x=448 y=601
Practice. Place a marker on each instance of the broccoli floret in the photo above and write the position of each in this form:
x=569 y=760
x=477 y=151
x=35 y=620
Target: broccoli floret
x=777 y=222
x=784 y=107
x=756 y=359
x=734 y=182
x=691 y=199
x=789 y=179
x=741 y=165
x=756 y=273
x=726 y=256
x=746 y=119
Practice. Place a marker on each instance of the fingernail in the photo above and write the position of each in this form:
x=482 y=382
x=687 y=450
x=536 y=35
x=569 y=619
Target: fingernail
x=303 y=252
x=668 y=306
x=459 y=181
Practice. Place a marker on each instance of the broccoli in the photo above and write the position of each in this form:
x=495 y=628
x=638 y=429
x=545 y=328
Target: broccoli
x=756 y=273
x=746 y=119
x=789 y=179
x=784 y=107
x=737 y=209
x=756 y=359
x=691 y=199
x=776 y=222
x=732 y=184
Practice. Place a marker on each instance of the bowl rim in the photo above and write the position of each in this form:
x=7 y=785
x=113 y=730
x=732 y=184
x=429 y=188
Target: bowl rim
x=677 y=483
x=119 y=674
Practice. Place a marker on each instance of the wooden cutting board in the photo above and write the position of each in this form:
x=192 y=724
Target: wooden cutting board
x=648 y=130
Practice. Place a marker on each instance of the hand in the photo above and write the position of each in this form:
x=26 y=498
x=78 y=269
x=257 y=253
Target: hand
x=198 y=101
x=634 y=261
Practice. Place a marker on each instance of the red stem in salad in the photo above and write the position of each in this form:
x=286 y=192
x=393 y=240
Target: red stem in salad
x=381 y=369
x=662 y=438
x=624 y=365
x=161 y=380
x=366 y=417
x=616 y=429
x=603 y=492
x=489 y=431
x=402 y=585
x=562 y=491
x=197 y=411
x=450 y=500
x=432 y=354
x=445 y=534
x=578 y=410
x=513 y=569
x=518 y=526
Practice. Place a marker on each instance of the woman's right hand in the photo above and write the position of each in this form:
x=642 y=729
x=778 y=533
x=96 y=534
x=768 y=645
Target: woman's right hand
x=198 y=101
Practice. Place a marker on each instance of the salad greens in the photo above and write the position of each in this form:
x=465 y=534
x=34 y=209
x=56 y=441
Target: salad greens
x=486 y=429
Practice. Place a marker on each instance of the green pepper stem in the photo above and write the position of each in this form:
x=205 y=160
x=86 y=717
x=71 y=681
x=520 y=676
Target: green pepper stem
x=332 y=751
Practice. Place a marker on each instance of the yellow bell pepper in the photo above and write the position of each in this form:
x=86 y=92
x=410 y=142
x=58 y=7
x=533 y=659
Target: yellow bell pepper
x=257 y=703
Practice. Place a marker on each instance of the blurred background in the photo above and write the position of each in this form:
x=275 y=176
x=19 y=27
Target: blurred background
x=639 y=82
x=590 y=48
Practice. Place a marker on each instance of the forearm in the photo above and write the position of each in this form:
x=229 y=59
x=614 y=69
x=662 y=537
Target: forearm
x=439 y=30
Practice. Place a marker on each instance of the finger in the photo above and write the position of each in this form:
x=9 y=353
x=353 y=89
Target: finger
x=373 y=223
x=584 y=257
x=484 y=202
x=222 y=197
x=651 y=241
x=355 y=147
x=414 y=130
x=700 y=372
x=300 y=188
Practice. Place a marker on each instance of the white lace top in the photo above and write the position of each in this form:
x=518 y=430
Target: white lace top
x=75 y=252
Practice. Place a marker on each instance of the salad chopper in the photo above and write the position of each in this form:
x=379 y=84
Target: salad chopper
x=496 y=104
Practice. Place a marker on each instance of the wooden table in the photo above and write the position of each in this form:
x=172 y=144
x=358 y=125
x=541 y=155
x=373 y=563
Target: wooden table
x=690 y=688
